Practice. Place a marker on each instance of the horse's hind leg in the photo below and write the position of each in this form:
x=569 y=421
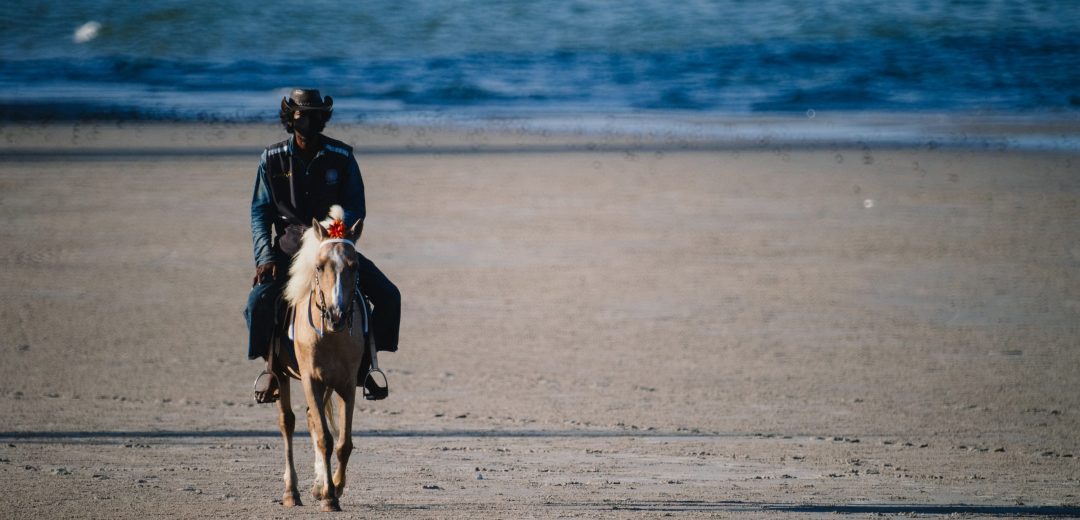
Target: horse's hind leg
x=287 y=423
x=323 y=488
x=344 y=446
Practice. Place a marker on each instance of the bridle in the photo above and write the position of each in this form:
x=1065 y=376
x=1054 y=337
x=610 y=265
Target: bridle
x=320 y=303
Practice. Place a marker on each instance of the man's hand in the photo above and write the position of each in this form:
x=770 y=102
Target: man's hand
x=267 y=272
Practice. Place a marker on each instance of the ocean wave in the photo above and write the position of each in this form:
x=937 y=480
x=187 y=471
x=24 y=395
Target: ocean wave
x=710 y=57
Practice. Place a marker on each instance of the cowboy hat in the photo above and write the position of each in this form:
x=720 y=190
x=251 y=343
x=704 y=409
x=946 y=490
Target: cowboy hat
x=307 y=99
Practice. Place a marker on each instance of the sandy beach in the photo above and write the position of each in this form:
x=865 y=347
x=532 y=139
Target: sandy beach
x=594 y=327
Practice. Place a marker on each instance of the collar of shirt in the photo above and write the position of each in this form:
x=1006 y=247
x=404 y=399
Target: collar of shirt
x=294 y=150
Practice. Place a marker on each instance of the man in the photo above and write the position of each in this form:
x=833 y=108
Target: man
x=297 y=181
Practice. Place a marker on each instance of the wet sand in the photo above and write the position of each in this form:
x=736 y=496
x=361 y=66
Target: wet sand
x=622 y=331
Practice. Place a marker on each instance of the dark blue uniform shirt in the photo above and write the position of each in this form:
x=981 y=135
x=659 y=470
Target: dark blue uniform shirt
x=264 y=213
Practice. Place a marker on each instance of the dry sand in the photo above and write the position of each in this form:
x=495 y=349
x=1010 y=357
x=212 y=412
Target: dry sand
x=617 y=331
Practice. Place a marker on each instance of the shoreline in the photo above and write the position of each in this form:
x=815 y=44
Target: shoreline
x=654 y=132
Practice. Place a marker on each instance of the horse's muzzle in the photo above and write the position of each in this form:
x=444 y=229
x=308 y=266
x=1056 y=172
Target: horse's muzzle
x=338 y=320
x=341 y=319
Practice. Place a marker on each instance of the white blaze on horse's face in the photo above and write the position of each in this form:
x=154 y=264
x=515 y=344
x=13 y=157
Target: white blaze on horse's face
x=337 y=265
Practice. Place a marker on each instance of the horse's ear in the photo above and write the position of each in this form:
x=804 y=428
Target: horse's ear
x=320 y=232
x=356 y=229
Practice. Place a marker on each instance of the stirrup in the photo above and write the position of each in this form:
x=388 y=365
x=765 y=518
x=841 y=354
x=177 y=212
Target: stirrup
x=372 y=390
x=271 y=395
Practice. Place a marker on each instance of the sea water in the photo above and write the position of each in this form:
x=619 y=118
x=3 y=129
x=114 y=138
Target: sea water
x=233 y=60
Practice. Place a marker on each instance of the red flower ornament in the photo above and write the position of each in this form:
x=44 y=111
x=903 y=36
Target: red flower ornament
x=337 y=229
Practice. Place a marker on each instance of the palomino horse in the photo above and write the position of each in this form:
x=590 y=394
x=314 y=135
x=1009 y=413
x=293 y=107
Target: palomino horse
x=329 y=353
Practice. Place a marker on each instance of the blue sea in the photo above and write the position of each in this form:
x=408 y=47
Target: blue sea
x=233 y=60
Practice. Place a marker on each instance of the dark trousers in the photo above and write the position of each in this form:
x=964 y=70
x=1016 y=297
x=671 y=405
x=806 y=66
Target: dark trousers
x=383 y=294
x=385 y=301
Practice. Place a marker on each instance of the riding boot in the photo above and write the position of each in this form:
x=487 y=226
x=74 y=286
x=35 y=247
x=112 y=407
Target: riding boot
x=266 y=385
x=372 y=390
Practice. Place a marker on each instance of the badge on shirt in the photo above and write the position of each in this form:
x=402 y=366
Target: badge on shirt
x=331 y=176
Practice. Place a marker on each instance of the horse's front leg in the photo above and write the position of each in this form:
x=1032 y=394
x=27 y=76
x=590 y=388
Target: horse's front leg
x=323 y=488
x=344 y=446
x=287 y=423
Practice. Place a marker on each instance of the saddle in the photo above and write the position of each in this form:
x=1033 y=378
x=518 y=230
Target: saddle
x=282 y=354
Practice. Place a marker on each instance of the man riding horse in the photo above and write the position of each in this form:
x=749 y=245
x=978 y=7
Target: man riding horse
x=298 y=180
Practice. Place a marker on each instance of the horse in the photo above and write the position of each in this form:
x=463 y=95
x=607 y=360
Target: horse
x=328 y=352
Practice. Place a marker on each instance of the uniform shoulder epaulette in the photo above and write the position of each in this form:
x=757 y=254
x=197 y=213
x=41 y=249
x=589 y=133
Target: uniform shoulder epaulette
x=277 y=148
x=333 y=145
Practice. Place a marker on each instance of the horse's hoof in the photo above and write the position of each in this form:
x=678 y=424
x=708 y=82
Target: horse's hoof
x=291 y=499
x=330 y=505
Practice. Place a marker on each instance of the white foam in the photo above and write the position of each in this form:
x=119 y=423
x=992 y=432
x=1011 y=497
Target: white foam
x=86 y=32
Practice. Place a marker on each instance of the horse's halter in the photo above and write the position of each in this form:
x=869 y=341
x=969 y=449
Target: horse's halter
x=320 y=303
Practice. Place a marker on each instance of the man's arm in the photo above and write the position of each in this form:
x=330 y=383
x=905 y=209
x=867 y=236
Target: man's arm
x=353 y=196
x=263 y=213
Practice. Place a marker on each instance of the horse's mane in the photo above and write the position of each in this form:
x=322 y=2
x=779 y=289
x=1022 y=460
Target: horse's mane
x=302 y=271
